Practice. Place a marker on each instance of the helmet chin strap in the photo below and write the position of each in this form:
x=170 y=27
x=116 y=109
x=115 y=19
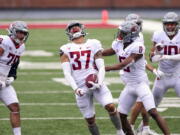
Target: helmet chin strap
x=172 y=33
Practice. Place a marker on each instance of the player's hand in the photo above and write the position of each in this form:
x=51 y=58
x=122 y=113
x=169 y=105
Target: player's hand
x=159 y=47
x=158 y=73
x=9 y=81
x=156 y=58
x=94 y=85
x=107 y=69
x=2 y=84
x=79 y=92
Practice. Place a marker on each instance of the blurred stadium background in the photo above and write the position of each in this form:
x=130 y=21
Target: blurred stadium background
x=47 y=102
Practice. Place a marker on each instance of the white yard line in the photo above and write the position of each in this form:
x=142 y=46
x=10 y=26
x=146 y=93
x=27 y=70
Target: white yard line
x=68 y=91
x=175 y=102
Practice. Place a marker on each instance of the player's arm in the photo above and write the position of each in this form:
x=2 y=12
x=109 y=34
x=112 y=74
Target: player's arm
x=12 y=74
x=67 y=70
x=152 y=51
x=108 y=52
x=125 y=63
x=67 y=73
x=1 y=51
x=171 y=57
x=99 y=61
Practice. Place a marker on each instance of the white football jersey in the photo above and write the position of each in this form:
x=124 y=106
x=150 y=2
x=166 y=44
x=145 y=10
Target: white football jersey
x=81 y=57
x=11 y=54
x=135 y=72
x=171 y=47
x=141 y=38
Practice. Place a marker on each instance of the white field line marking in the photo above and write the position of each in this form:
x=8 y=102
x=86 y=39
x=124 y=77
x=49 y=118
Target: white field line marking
x=39 y=65
x=78 y=118
x=174 y=103
x=37 y=53
x=69 y=91
x=108 y=80
x=157 y=25
x=56 y=72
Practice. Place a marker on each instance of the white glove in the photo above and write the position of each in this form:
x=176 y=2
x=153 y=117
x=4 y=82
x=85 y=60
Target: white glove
x=94 y=85
x=79 y=92
x=9 y=81
x=158 y=73
x=2 y=84
x=156 y=58
x=159 y=47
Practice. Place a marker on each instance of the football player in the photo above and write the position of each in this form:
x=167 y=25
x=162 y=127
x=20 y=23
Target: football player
x=78 y=60
x=11 y=48
x=166 y=51
x=138 y=107
x=130 y=51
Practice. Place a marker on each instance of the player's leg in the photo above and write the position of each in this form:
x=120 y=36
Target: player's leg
x=93 y=128
x=85 y=104
x=159 y=120
x=9 y=97
x=134 y=113
x=159 y=89
x=177 y=86
x=104 y=97
x=148 y=102
x=126 y=100
x=15 y=118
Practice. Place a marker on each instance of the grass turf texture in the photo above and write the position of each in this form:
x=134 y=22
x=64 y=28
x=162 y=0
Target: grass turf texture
x=41 y=80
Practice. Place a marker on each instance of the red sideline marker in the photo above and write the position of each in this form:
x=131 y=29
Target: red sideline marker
x=104 y=16
x=61 y=26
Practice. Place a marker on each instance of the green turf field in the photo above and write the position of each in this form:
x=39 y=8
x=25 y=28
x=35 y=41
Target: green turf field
x=47 y=107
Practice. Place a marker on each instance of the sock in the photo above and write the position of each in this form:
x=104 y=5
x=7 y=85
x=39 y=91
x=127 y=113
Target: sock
x=120 y=132
x=146 y=128
x=132 y=126
x=17 y=131
x=116 y=121
x=94 y=129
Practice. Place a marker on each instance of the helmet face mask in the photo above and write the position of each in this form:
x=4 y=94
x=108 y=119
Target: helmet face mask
x=18 y=31
x=75 y=30
x=171 y=23
x=128 y=31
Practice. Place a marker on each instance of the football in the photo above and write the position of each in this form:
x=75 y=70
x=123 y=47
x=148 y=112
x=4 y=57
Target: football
x=91 y=77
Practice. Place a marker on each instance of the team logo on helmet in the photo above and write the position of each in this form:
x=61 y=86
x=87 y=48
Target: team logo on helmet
x=173 y=19
x=75 y=30
x=136 y=18
x=128 y=31
x=18 y=26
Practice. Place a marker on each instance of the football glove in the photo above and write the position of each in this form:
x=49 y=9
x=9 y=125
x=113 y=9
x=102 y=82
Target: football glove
x=2 y=84
x=158 y=73
x=79 y=92
x=156 y=58
x=94 y=85
x=9 y=81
